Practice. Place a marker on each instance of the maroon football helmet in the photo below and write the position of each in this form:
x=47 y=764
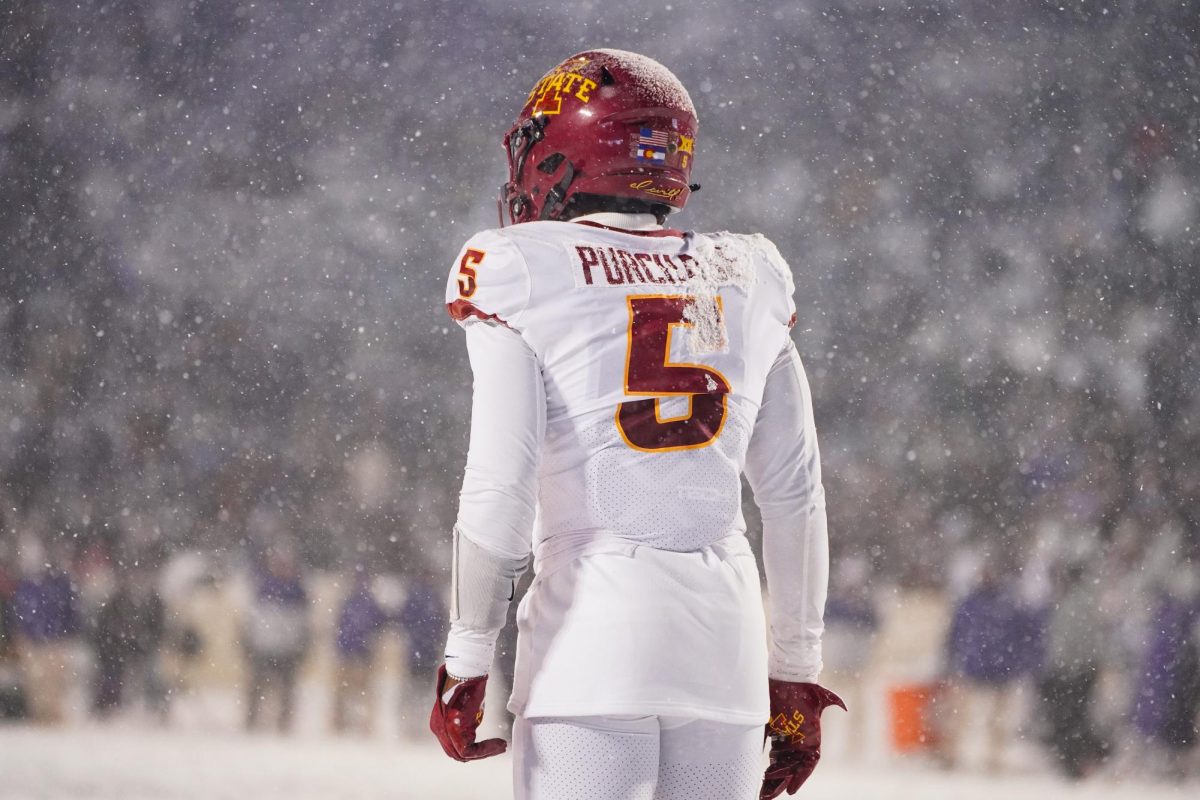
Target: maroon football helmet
x=604 y=122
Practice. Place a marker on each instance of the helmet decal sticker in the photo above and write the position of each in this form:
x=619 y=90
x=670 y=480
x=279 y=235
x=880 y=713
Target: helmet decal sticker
x=651 y=145
x=686 y=144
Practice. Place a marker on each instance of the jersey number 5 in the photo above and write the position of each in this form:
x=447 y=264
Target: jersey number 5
x=649 y=371
x=466 y=272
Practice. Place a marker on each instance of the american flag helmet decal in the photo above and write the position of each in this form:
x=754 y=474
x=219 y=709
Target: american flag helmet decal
x=651 y=145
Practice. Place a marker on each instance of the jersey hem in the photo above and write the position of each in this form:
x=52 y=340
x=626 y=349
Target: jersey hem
x=658 y=708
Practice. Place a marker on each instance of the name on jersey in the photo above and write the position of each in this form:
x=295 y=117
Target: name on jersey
x=613 y=266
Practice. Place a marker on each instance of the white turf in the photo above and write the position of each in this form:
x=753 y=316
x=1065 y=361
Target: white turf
x=132 y=761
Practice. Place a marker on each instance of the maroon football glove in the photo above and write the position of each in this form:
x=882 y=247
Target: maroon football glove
x=454 y=720
x=795 y=731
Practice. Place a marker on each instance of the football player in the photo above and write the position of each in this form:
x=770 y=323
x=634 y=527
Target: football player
x=626 y=374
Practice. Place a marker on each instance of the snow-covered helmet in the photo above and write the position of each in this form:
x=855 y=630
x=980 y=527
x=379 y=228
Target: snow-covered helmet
x=604 y=122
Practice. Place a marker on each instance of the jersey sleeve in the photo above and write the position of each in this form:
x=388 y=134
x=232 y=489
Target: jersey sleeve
x=498 y=503
x=508 y=422
x=489 y=280
x=783 y=466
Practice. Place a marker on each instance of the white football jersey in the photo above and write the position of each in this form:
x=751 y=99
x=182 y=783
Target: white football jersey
x=654 y=348
x=637 y=374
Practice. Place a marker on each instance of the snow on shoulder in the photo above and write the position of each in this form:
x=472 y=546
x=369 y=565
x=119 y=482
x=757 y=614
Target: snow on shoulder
x=722 y=260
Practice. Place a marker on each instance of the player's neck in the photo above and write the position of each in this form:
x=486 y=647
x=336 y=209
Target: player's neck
x=616 y=219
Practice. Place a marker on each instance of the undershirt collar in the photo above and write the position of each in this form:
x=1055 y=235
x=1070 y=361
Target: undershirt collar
x=624 y=221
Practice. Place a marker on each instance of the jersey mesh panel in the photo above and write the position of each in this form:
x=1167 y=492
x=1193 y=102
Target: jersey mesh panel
x=681 y=500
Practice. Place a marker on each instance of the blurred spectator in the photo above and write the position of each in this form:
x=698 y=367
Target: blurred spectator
x=43 y=608
x=423 y=619
x=1074 y=655
x=109 y=650
x=101 y=610
x=988 y=650
x=128 y=636
x=359 y=624
x=851 y=624
x=275 y=635
x=1168 y=695
x=12 y=694
x=124 y=620
x=147 y=632
x=186 y=578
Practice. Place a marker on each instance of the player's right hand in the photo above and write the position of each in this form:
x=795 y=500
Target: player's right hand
x=795 y=734
x=457 y=712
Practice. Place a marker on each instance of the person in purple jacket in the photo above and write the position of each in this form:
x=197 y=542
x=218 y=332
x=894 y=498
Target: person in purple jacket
x=1167 y=696
x=359 y=624
x=275 y=634
x=421 y=620
x=991 y=644
x=45 y=619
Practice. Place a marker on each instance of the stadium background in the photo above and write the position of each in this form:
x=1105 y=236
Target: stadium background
x=226 y=227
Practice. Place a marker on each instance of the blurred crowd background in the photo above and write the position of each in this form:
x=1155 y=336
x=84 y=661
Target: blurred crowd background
x=225 y=370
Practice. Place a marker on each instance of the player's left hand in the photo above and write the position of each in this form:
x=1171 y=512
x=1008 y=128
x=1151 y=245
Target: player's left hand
x=456 y=715
x=795 y=732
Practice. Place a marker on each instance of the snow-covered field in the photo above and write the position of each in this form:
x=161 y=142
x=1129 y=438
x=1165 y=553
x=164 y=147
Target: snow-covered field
x=204 y=755
x=130 y=762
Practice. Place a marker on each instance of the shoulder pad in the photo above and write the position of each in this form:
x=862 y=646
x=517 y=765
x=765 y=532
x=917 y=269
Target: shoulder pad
x=489 y=280
x=771 y=268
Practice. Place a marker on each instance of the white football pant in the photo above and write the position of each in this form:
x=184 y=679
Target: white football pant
x=636 y=758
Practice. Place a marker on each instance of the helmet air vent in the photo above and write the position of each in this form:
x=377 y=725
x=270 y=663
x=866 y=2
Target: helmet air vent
x=551 y=163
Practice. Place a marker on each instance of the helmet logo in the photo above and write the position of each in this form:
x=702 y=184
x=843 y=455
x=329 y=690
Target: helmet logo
x=550 y=90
